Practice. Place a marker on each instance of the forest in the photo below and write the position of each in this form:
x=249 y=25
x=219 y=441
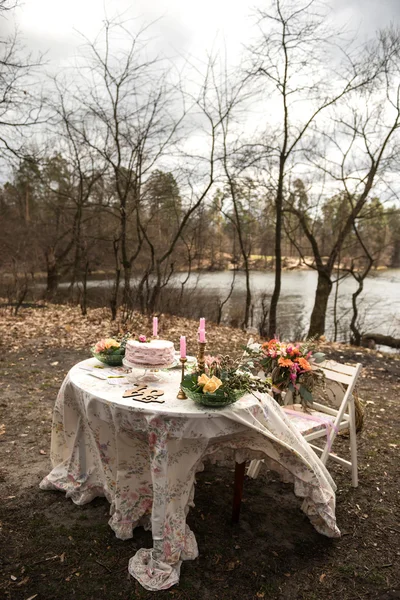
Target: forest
x=199 y=299
x=127 y=167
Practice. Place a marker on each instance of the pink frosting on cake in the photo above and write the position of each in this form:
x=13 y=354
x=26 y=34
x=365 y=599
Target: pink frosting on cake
x=155 y=352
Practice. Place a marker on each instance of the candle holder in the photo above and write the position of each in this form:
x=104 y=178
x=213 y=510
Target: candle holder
x=181 y=394
x=200 y=357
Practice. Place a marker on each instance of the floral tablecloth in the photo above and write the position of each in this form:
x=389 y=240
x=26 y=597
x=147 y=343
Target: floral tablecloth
x=144 y=457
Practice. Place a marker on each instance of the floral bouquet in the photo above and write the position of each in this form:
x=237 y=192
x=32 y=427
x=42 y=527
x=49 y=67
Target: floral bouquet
x=222 y=383
x=110 y=351
x=288 y=367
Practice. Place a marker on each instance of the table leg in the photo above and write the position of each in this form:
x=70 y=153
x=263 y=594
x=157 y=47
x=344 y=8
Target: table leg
x=240 y=469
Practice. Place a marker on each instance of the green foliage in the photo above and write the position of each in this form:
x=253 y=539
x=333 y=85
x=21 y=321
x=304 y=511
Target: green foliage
x=236 y=380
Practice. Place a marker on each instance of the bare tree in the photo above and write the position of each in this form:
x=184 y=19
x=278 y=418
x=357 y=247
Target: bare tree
x=86 y=172
x=207 y=102
x=290 y=61
x=230 y=96
x=21 y=102
x=364 y=137
x=359 y=274
x=124 y=98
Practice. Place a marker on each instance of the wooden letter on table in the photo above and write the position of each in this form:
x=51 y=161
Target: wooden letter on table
x=143 y=394
x=136 y=389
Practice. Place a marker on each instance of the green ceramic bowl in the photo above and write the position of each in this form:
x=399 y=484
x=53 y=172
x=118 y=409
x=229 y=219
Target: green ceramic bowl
x=211 y=400
x=112 y=360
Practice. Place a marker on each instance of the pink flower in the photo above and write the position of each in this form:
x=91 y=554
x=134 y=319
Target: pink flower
x=142 y=338
x=167 y=549
x=167 y=529
x=209 y=360
x=100 y=346
x=146 y=504
x=152 y=439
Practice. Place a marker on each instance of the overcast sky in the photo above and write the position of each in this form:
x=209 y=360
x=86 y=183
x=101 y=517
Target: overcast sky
x=183 y=26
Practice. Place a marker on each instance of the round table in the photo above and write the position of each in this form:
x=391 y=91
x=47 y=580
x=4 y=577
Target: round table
x=144 y=457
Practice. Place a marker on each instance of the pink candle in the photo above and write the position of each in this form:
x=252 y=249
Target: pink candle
x=155 y=326
x=202 y=335
x=183 y=346
x=202 y=323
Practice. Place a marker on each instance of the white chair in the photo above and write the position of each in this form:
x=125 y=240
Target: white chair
x=326 y=422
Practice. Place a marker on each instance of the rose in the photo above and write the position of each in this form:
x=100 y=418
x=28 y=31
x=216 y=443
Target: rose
x=111 y=343
x=100 y=347
x=209 y=385
x=202 y=380
x=212 y=385
x=142 y=338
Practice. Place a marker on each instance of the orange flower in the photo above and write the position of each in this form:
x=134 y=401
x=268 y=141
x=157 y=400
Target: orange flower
x=304 y=364
x=285 y=362
x=272 y=343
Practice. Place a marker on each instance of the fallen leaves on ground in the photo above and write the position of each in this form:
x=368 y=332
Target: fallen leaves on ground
x=55 y=326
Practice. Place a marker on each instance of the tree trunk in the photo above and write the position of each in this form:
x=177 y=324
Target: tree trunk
x=370 y=339
x=114 y=296
x=115 y=292
x=140 y=292
x=222 y=303
x=27 y=211
x=262 y=326
x=155 y=294
x=248 y=296
x=84 y=289
x=318 y=315
x=52 y=273
x=356 y=337
x=126 y=296
x=78 y=249
x=273 y=324
x=335 y=304
x=395 y=259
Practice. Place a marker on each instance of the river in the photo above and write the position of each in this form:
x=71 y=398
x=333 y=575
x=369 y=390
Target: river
x=379 y=304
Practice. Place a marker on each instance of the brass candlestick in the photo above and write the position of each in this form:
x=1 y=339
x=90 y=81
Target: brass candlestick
x=181 y=394
x=200 y=357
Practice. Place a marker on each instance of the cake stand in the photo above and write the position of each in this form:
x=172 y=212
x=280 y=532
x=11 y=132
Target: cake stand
x=150 y=372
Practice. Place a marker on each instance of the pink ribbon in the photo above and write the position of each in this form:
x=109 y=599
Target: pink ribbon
x=326 y=422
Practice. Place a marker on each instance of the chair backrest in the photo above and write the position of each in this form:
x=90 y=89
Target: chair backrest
x=338 y=377
x=337 y=371
x=340 y=381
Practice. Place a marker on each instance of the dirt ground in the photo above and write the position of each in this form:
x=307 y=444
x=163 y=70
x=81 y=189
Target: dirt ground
x=52 y=549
